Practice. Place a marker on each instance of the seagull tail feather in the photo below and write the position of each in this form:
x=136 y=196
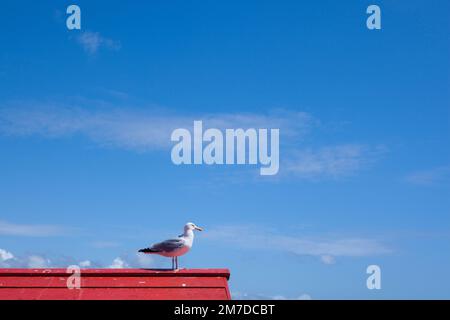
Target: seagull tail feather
x=148 y=250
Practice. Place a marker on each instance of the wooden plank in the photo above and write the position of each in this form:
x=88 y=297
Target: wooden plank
x=113 y=294
x=119 y=272
x=107 y=284
x=104 y=282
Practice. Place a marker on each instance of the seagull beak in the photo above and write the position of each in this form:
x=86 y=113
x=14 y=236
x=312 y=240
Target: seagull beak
x=198 y=228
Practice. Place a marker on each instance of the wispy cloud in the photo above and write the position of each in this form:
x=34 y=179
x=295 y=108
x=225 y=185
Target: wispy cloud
x=133 y=260
x=34 y=260
x=136 y=129
x=327 y=259
x=130 y=260
x=38 y=261
x=325 y=248
x=332 y=161
x=8 y=260
x=30 y=230
x=85 y=264
x=93 y=41
x=146 y=130
x=430 y=177
x=5 y=255
x=118 y=263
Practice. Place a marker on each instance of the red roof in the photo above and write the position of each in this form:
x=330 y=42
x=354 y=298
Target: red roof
x=110 y=284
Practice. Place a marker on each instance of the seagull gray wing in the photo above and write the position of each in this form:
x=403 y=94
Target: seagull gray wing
x=168 y=245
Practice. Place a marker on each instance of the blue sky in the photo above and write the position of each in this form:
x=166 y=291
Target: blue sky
x=86 y=116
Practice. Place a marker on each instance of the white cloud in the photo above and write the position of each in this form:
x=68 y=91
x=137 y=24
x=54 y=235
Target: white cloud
x=304 y=297
x=140 y=130
x=325 y=248
x=93 y=41
x=133 y=260
x=5 y=255
x=148 y=130
x=327 y=259
x=85 y=264
x=332 y=161
x=11 y=229
x=145 y=261
x=8 y=260
x=429 y=177
x=118 y=263
x=35 y=261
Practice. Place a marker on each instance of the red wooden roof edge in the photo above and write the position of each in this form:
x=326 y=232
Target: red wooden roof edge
x=118 y=272
x=114 y=284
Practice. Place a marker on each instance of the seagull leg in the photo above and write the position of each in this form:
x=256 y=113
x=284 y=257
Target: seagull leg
x=173 y=263
x=176 y=262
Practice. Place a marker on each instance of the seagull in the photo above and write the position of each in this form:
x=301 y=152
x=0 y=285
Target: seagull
x=175 y=247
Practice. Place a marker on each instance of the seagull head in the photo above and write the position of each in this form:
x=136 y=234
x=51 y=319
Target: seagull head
x=192 y=226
